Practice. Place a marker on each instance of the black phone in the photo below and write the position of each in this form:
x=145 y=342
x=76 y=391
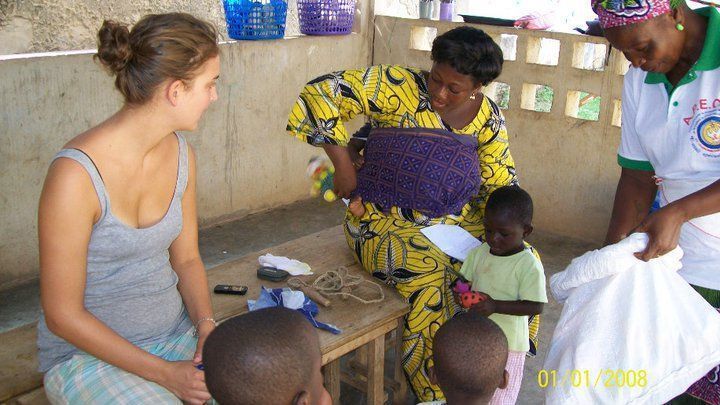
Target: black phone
x=272 y=274
x=230 y=289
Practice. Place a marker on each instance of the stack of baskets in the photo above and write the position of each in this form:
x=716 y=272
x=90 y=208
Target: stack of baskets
x=258 y=19
x=326 y=17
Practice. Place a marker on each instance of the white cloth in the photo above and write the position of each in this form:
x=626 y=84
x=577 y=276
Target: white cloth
x=292 y=266
x=623 y=315
x=699 y=237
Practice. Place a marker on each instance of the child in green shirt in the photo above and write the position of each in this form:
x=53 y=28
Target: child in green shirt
x=509 y=275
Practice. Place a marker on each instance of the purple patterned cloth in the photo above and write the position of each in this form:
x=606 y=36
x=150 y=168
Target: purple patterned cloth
x=708 y=387
x=432 y=171
x=617 y=13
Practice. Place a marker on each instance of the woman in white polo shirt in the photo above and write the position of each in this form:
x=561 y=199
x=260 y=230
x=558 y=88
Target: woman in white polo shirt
x=670 y=138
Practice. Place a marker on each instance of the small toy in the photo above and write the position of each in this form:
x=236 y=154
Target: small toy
x=468 y=298
x=322 y=172
x=460 y=285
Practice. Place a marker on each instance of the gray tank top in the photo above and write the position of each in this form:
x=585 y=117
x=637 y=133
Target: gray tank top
x=130 y=285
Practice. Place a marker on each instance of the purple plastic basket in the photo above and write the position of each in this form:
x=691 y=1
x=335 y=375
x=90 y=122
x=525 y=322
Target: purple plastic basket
x=326 y=17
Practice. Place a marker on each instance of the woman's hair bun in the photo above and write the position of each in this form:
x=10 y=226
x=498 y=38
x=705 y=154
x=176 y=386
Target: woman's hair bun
x=159 y=47
x=114 y=49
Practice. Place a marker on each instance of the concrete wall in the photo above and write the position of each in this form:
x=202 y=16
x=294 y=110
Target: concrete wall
x=61 y=25
x=567 y=164
x=246 y=161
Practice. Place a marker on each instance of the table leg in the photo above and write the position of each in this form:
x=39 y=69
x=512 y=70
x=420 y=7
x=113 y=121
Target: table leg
x=331 y=374
x=399 y=375
x=376 y=371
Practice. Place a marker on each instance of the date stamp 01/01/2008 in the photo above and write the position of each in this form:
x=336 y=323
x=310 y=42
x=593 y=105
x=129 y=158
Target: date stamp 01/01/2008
x=603 y=378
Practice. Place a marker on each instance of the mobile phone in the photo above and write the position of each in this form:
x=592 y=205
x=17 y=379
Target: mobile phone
x=230 y=289
x=272 y=274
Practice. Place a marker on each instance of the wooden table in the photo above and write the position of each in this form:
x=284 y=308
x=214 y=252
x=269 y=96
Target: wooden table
x=362 y=325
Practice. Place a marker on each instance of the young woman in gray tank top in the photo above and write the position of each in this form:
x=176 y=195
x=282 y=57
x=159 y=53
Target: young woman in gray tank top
x=123 y=287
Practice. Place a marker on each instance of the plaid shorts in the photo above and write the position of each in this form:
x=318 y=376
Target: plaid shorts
x=84 y=379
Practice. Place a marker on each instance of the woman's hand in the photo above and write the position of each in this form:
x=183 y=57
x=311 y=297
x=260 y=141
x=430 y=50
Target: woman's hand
x=485 y=307
x=204 y=329
x=663 y=229
x=184 y=380
x=345 y=180
x=356 y=207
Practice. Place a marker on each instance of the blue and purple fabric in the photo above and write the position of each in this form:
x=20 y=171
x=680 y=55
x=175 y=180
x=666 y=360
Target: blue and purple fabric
x=288 y=298
x=432 y=171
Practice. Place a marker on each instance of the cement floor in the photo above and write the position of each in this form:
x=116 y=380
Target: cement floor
x=228 y=241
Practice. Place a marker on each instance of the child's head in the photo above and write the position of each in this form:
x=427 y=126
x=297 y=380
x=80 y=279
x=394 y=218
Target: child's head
x=508 y=220
x=269 y=356
x=469 y=354
x=160 y=47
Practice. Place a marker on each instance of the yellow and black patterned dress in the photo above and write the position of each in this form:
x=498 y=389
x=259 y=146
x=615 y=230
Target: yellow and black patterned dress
x=388 y=242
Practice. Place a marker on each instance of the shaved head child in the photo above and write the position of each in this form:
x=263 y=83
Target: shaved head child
x=270 y=356
x=469 y=355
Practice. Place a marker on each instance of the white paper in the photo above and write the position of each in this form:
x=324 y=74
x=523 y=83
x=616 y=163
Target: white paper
x=451 y=239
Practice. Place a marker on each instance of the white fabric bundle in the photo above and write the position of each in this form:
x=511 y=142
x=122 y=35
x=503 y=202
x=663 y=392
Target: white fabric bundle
x=625 y=316
x=292 y=266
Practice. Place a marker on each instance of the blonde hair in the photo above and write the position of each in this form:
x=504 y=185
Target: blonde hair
x=159 y=47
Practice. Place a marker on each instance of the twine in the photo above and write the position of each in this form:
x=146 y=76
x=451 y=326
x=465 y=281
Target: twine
x=338 y=282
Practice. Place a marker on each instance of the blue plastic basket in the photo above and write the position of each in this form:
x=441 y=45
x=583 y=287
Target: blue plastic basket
x=259 y=19
x=326 y=17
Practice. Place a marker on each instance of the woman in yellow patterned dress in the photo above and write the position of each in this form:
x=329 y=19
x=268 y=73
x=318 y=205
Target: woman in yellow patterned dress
x=387 y=238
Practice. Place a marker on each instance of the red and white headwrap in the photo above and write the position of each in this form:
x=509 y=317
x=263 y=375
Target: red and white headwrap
x=616 y=13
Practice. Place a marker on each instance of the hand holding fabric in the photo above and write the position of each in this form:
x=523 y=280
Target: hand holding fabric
x=663 y=229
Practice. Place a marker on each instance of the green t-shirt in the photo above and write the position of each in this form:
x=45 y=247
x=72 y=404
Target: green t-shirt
x=519 y=277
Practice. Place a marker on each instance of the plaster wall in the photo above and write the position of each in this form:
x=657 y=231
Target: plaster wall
x=61 y=25
x=246 y=161
x=567 y=164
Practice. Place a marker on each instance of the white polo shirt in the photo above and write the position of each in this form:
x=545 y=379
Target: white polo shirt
x=675 y=131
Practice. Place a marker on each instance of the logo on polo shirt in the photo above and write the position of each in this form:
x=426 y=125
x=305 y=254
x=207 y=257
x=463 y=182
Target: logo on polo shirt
x=705 y=133
x=709 y=133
